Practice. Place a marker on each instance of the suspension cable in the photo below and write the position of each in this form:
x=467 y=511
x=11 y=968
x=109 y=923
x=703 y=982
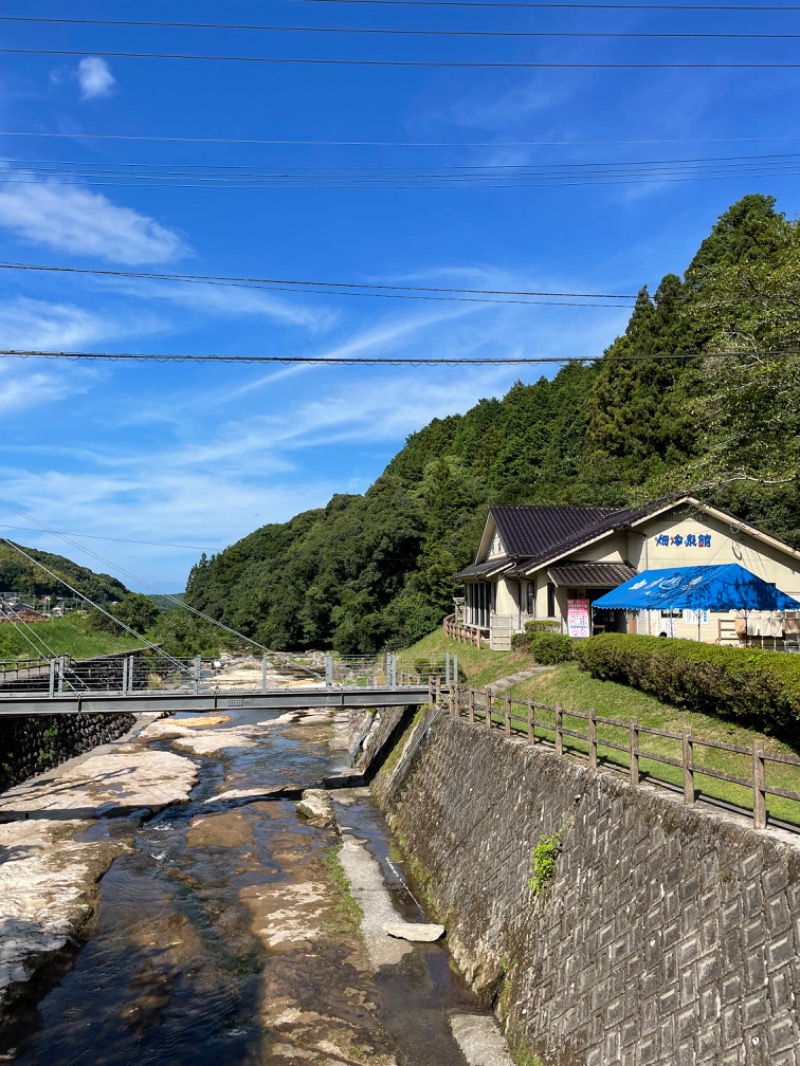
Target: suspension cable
x=87 y=599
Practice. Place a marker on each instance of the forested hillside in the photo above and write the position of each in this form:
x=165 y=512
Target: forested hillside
x=367 y=569
x=22 y=578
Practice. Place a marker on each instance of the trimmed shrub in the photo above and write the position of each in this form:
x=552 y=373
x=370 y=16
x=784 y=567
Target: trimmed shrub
x=539 y=625
x=551 y=648
x=521 y=641
x=760 y=687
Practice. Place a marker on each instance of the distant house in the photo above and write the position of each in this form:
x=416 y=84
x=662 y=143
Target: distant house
x=16 y=611
x=553 y=562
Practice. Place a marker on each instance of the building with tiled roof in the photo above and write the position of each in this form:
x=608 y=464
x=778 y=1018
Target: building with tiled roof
x=551 y=563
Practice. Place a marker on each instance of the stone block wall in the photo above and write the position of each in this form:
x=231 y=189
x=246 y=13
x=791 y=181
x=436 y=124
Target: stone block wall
x=36 y=743
x=667 y=936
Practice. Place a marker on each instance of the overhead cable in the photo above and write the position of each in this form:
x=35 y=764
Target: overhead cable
x=320 y=61
x=566 y=7
x=414 y=361
x=263 y=282
x=119 y=540
x=343 y=177
x=393 y=31
x=311 y=143
x=35 y=640
x=91 y=602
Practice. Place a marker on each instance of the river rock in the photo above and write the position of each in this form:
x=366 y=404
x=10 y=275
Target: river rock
x=315 y=805
x=419 y=932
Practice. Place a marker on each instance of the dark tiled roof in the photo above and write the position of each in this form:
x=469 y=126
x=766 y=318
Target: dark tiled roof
x=529 y=531
x=484 y=569
x=611 y=520
x=591 y=575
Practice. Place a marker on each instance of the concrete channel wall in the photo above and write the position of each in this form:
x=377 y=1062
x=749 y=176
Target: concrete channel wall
x=667 y=936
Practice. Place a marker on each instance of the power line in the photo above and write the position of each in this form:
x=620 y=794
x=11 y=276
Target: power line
x=566 y=7
x=234 y=170
x=393 y=31
x=446 y=63
x=525 y=175
x=415 y=361
x=230 y=280
x=388 y=144
x=118 y=540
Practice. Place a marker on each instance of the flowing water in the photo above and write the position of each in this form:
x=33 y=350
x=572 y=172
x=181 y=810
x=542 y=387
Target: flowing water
x=226 y=937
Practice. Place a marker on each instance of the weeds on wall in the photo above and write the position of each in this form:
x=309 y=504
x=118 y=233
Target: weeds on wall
x=543 y=858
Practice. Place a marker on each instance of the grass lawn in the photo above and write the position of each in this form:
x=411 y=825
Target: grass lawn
x=576 y=690
x=71 y=635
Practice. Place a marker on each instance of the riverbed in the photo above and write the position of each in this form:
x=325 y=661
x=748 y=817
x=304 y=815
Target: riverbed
x=228 y=927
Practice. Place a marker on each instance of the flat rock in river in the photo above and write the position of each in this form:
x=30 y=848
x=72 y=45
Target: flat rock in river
x=419 y=932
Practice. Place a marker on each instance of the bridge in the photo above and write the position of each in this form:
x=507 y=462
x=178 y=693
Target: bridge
x=53 y=688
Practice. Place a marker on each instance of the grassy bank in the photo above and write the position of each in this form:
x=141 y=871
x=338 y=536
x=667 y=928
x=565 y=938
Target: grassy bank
x=479 y=667
x=576 y=690
x=64 y=636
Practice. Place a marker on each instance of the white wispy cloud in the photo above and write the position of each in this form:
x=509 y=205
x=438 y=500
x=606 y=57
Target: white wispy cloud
x=76 y=220
x=38 y=324
x=231 y=301
x=24 y=388
x=148 y=504
x=95 y=78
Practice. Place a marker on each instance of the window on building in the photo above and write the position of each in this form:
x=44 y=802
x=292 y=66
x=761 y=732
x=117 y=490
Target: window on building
x=551 y=600
x=530 y=598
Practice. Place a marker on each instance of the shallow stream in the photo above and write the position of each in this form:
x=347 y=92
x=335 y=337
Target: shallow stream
x=228 y=936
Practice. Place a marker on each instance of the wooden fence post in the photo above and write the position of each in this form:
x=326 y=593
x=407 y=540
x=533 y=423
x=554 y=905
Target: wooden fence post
x=488 y=709
x=531 y=724
x=507 y=715
x=559 y=727
x=759 y=784
x=430 y=689
x=438 y=691
x=592 y=731
x=471 y=697
x=634 y=752
x=688 y=768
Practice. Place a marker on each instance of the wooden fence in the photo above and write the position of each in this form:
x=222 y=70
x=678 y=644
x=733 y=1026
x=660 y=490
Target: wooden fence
x=455 y=629
x=541 y=723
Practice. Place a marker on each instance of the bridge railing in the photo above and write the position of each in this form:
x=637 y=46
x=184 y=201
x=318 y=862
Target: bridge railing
x=151 y=670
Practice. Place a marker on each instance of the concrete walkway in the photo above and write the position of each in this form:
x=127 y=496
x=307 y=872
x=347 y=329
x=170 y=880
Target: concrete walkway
x=503 y=683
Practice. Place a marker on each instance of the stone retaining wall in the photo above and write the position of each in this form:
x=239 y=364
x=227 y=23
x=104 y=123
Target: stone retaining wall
x=36 y=743
x=667 y=936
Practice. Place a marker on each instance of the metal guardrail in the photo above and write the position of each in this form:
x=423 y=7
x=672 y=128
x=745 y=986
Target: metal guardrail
x=542 y=723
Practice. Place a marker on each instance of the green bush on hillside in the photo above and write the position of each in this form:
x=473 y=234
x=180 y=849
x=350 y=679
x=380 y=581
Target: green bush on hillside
x=551 y=648
x=759 y=687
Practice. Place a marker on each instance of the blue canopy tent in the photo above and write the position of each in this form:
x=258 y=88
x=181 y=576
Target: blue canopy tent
x=726 y=587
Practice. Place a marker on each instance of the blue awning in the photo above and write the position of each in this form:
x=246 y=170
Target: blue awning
x=727 y=587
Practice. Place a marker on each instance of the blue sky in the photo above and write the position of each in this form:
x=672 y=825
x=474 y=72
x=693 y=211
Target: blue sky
x=200 y=454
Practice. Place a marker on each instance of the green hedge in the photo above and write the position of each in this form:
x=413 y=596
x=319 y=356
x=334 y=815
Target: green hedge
x=521 y=641
x=539 y=625
x=551 y=648
x=760 y=687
